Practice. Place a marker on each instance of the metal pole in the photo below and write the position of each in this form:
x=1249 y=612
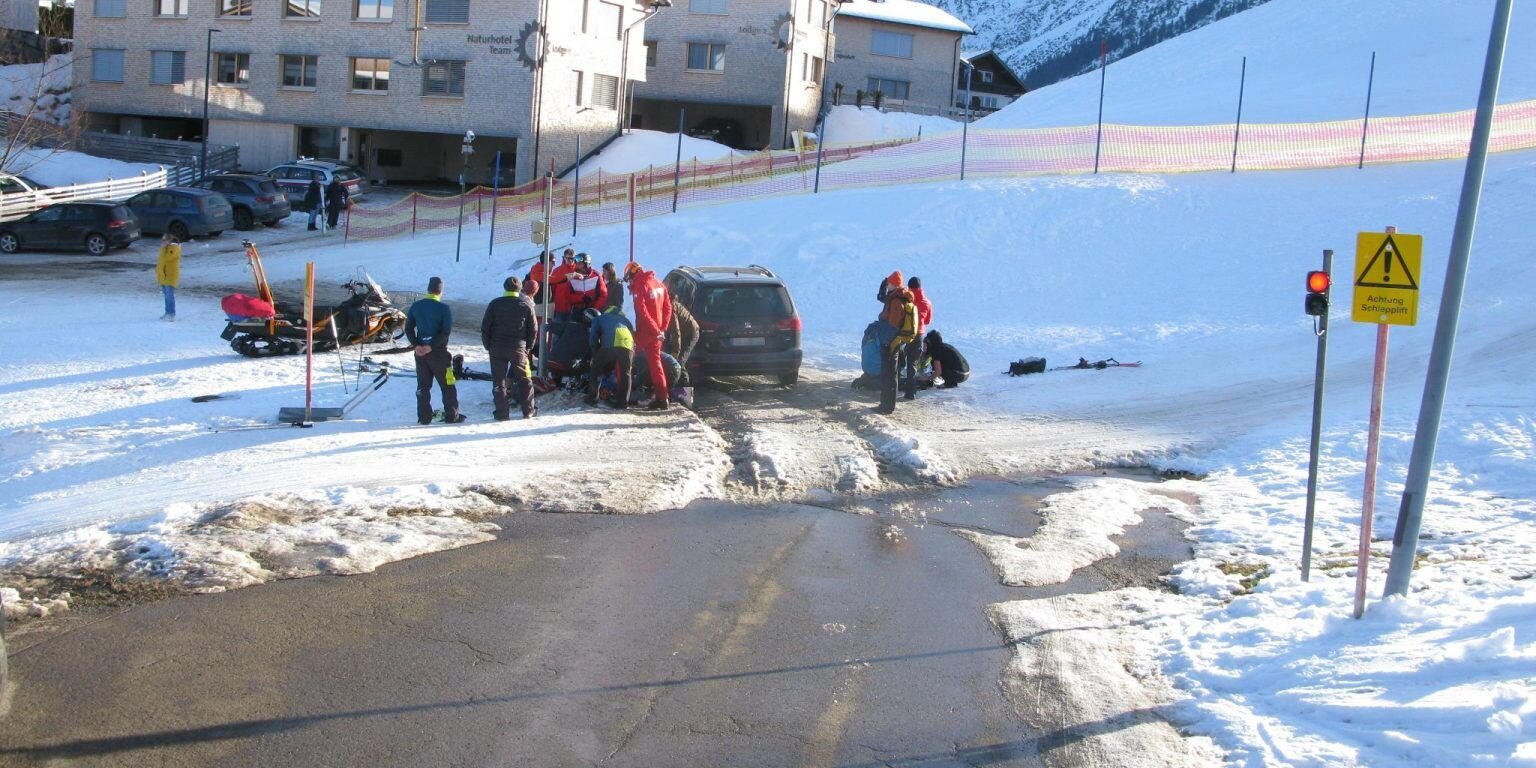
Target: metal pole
x=459 y=245
x=1237 y=131
x=1098 y=138
x=1317 y=428
x=1372 y=453
x=1410 y=514
x=576 y=198
x=202 y=166
x=677 y=168
x=631 y=217
x=821 y=142
x=1370 y=83
x=965 y=127
x=495 y=198
x=546 y=292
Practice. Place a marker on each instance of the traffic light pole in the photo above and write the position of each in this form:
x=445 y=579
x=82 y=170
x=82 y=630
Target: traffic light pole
x=1317 y=428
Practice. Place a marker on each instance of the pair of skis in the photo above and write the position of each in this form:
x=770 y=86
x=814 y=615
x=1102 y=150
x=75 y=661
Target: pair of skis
x=1084 y=365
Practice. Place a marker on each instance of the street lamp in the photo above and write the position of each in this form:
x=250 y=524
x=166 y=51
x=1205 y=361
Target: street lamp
x=466 y=148
x=965 y=127
x=202 y=168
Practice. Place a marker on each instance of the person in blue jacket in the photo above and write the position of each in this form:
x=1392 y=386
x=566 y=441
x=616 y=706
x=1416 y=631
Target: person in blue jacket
x=612 y=340
x=427 y=325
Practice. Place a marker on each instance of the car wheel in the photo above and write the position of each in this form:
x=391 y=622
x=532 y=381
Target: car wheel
x=9 y=243
x=179 y=231
x=789 y=378
x=96 y=244
x=216 y=233
x=243 y=219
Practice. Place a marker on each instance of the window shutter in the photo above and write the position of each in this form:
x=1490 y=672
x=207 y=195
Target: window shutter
x=444 y=78
x=112 y=8
x=447 y=12
x=107 y=65
x=161 y=67
x=605 y=91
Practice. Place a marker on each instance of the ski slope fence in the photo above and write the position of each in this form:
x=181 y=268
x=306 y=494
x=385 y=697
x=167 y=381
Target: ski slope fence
x=611 y=199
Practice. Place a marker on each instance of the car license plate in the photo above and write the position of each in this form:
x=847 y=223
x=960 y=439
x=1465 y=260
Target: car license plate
x=748 y=341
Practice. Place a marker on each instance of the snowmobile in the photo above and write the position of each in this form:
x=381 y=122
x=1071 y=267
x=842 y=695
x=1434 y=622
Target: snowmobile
x=260 y=326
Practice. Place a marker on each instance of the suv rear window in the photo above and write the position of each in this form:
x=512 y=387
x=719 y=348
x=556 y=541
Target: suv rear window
x=732 y=302
x=121 y=212
x=346 y=174
x=268 y=187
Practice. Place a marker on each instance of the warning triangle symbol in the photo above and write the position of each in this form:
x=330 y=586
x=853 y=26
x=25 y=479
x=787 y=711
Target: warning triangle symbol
x=1386 y=269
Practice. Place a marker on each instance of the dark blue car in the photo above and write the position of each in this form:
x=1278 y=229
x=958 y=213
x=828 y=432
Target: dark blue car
x=182 y=211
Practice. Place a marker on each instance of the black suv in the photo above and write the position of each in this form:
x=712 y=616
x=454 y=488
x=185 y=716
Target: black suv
x=92 y=225
x=254 y=198
x=747 y=321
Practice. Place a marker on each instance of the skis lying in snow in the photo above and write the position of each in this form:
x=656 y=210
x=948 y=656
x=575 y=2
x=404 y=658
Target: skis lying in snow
x=1084 y=365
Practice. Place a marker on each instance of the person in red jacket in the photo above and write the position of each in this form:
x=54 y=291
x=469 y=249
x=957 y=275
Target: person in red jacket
x=586 y=286
x=653 y=314
x=560 y=288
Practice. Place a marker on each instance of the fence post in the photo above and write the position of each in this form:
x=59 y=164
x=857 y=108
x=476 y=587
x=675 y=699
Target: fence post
x=495 y=202
x=821 y=143
x=415 y=198
x=1369 y=84
x=1098 y=139
x=346 y=231
x=1242 y=82
x=677 y=167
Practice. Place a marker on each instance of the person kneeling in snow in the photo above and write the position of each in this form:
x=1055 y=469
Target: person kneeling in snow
x=949 y=366
x=612 y=341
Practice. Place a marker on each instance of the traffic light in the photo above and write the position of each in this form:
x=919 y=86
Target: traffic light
x=1317 y=293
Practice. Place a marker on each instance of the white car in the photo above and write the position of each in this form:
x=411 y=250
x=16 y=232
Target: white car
x=293 y=178
x=20 y=195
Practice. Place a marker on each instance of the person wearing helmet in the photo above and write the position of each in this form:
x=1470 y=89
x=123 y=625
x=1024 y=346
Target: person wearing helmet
x=559 y=287
x=586 y=285
x=507 y=332
x=613 y=351
x=653 y=314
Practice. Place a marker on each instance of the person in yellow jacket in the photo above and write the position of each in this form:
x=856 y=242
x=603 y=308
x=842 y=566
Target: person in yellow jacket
x=168 y=273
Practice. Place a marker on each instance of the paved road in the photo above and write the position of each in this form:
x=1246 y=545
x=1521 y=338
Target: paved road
x=716 y=635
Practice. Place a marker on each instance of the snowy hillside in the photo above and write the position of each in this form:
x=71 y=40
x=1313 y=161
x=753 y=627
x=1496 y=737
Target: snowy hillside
x=1050 y=40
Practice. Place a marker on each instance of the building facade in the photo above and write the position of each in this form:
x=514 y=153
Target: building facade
x=352 y=80
x=745 y=73
x=907 y=51
x=992 y=83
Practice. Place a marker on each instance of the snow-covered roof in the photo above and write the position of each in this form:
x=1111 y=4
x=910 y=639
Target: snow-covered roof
x=906 y=12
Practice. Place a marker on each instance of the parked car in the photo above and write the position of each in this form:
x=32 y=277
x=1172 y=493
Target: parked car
x=94 y=225
x=293 y=178
x=254 y=198
x=183 y=211
x=747 y=321
x=20 y=195
x=721 y=130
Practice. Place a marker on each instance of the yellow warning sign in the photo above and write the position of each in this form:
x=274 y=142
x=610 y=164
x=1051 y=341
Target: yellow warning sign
x=1387 y=278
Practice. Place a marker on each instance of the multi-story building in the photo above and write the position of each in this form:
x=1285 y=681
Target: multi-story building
x=390 y=85
x=743 y=72
x=992 y=83
x=907 y=51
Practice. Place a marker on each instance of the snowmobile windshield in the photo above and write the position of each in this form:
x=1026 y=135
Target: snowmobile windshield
x=377 y=289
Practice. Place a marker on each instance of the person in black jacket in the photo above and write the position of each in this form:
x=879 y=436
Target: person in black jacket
x=507 y=332
x=427 y=325
x=335 y=201
x=682 y=334
x=312 y=200
x=948 y=364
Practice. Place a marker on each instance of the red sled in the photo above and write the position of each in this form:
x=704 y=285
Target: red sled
x=238 y=306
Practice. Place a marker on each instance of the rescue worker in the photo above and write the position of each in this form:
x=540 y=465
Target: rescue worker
x=427 y=325
x=558 y=288
x=653 y=313
x=507 y=332
x=898 y=328
x=612 y=340
x=585 y=286
x=682 y=333
x=536 y=274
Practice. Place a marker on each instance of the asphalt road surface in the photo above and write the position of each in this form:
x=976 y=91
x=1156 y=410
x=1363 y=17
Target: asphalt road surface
x=722 y=634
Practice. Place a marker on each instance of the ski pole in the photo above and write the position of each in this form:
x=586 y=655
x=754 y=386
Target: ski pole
x=341 y=366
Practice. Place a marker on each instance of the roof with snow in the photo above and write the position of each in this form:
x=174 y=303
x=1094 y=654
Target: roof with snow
x=906 y=12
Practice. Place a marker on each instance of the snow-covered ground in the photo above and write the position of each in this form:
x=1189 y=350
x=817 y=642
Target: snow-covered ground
x=1199 y=276
x=41 y=90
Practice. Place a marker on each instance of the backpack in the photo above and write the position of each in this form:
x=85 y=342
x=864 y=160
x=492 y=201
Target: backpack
x=869 y=350
x=1026 y=366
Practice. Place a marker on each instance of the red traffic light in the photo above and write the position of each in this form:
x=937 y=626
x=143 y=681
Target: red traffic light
x=1318 y=281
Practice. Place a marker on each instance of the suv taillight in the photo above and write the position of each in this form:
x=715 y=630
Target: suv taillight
x=707 y=327
x=116 y=223
x=789 y=324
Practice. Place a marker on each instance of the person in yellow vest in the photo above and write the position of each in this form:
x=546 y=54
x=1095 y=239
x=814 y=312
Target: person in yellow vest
x=168 y=273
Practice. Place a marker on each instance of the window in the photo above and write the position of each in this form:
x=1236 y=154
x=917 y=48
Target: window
x=606 y=19
x=605 y=91
x=816 y=68
x=885 y=43
x=374 y=10
x=708 y=56
x=299 y=71
x=111 y=8
x=107 y=65
x=370 y=75
x=443 y=78
x=709 y=6
x=235 y=9
x=986 y=75
x=893 y=89
x=580 y=77
x=167 y=67
x=447 y=12
x=171 y=7
x=650 y=53
x=233 y=68
x=301 y=9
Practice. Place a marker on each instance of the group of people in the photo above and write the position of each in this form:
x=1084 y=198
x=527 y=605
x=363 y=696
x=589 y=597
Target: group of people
x=587 y=305
x=331 y=200
x=922 y=359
